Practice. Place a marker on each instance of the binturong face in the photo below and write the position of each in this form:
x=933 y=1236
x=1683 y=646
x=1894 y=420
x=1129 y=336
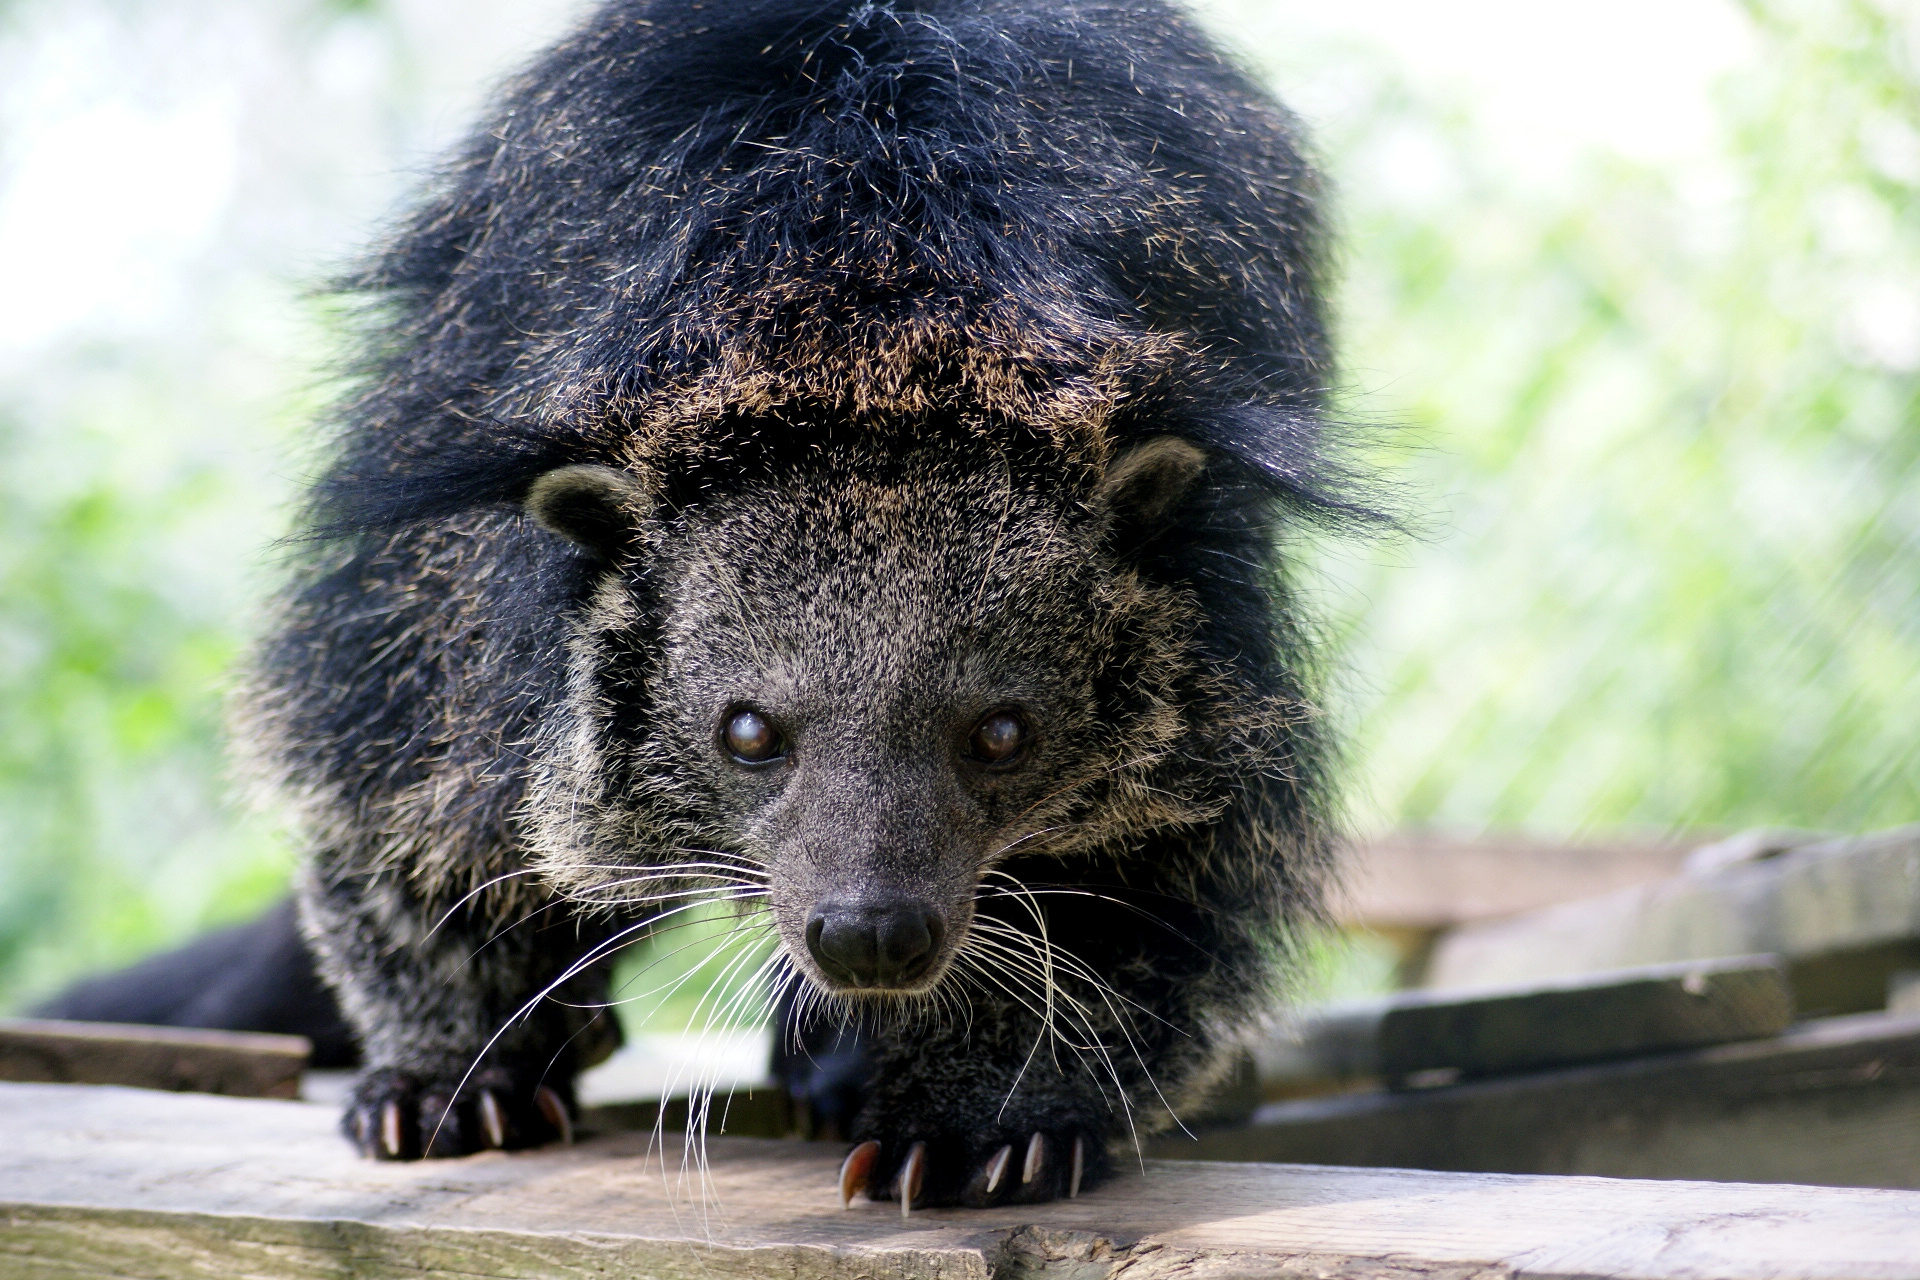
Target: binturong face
x=855 y=687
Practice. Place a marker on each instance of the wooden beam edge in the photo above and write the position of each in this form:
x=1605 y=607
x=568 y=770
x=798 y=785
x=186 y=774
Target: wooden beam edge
x=41 y=1241
x=263 y=1044
x=124 y=1184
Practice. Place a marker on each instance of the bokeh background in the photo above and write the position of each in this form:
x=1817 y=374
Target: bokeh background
x=1636 y=285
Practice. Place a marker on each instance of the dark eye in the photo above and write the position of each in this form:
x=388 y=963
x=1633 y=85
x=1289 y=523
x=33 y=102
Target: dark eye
x=751 y=738
x=998 y=738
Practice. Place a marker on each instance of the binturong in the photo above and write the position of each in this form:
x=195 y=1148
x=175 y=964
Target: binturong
x=835 y=460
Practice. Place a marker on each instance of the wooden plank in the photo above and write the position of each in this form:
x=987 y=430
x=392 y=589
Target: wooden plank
x=1844 y=914
x=1833 y=1102
x=1617 y=1014
x=103 y=1182
x=1416 y=879
x=1621 y=1013
x=241 y=1063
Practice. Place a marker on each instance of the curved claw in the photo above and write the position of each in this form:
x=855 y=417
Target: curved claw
x=1036 y=1158
x=912 y=1173
x=390 y=1130
x=1079 y=1167
x=493 y=1119
x=556 y=1113
x=997 y=1168
x=855 y=1171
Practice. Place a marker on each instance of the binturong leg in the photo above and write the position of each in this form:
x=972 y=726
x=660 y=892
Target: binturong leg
x=965 y=1115
x=1097 y=1014
x=474 y=1027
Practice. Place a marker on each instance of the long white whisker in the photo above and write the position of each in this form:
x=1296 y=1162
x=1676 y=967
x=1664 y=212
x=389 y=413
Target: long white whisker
x=596 y=953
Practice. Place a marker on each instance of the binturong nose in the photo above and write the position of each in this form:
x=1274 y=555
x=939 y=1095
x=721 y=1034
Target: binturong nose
x=875 y=943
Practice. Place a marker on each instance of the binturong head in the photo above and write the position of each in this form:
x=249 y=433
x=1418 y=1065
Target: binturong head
x=856 y=682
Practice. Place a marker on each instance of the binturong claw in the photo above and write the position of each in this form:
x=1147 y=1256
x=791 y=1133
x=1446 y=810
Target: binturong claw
x=987 y=1179
x=556 y=1113
x=493 y=1119
x=855 y=1171
x=997 y=1168
x=912 y=1173
x=390 y=1130
x=1036 y=1158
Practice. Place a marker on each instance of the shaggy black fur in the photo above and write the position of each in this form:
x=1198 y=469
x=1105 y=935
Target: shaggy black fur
x=909 y=363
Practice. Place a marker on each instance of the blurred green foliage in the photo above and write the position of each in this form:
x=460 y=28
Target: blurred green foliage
x=1668 y=421
x=1659 y=438
x=708 y=967
x=116 y=834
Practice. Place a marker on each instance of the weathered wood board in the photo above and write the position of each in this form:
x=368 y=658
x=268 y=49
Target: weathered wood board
x=1407 y=887
x=105 y=1182
x=1843 y=914
x=1426 y=880
x=1616 y=1014
x=241 y=1063
x=1835 y=1102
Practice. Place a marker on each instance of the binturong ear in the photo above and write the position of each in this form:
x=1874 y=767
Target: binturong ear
x=598 y=508
x=1145 y=484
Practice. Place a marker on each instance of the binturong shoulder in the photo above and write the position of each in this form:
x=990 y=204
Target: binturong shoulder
x=832 y=461
x=1078 y=217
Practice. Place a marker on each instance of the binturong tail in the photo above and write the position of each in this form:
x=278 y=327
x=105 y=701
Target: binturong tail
x=257 y=976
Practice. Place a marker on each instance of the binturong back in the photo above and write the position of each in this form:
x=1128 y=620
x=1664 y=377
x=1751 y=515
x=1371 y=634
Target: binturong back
x=832 y=459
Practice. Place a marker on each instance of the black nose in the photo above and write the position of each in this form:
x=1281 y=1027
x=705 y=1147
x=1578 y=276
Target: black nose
x=874 y=943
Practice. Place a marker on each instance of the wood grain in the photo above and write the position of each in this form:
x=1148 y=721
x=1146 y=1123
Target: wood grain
x=244 y=1064
x=1844 y=915
x=1617 y=1014
x=104 y=1182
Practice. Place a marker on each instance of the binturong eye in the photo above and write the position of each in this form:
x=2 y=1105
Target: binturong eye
x=998 y=738
x=751 y=738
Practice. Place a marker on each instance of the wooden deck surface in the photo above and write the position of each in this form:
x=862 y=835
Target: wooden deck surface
x=107 y=1182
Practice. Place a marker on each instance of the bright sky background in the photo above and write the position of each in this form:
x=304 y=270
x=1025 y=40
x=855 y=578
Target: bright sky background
x=1547 y=78
x=124 y=173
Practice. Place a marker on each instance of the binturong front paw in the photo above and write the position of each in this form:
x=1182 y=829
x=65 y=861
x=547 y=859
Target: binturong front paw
x=397 y=1115
x=995 y=1165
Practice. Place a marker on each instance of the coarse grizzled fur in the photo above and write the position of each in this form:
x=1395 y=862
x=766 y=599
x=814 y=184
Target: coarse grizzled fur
x=873 y=368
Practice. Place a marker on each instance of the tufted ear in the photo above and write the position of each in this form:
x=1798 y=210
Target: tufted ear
x=598 y=508
x=1144 y=485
